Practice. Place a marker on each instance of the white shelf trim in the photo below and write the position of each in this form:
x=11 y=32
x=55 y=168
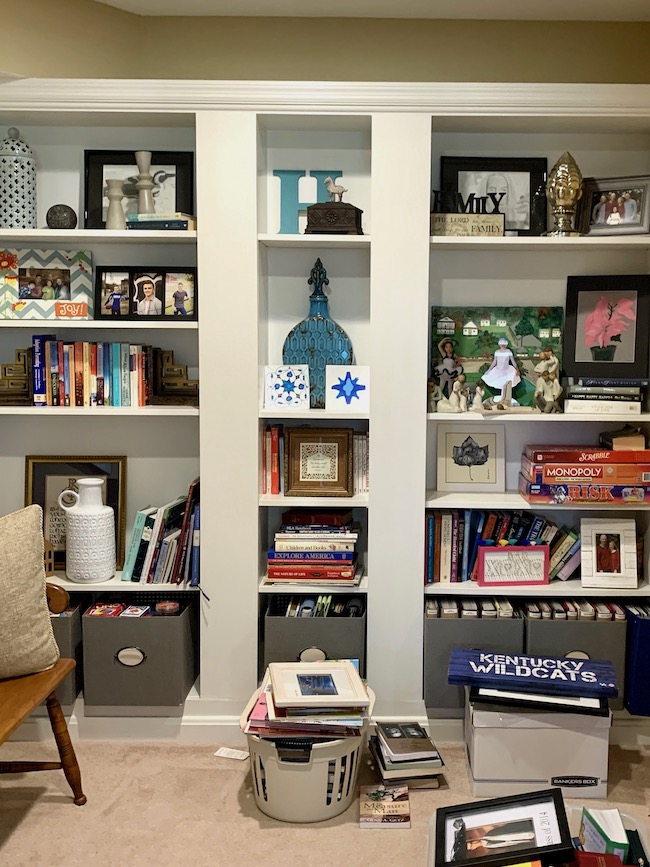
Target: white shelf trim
x=555 y=588
x=77 y=237
x=110 y=324
x=114 y=583
x=98 y=411
x=311 y=589
x=535 y=417
x=314 y=415
x=514 y=500
x=322 y=502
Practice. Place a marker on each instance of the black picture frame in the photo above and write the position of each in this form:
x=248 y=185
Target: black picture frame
x=594 y=213
x=41 y=468
x=593 y=706
x=525 y=200
x=127 y=282
x=97 y=162
x=581 y=332
x=453 y=833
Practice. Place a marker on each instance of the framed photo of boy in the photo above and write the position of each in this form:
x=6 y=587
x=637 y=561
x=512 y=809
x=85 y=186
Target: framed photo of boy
x=509 y=186
x=145 y=294
x=172 y=173
x=606 y=326
x=46 y=476
x=319 y=462
x=615 y=206
x=501 y=831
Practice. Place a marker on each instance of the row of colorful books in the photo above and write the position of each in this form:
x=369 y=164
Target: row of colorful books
x=452 y=539
x=573 y=473
x=90 y=374
x=165 y=542
x=274 y=460
x=315 y=547
x=532 y=609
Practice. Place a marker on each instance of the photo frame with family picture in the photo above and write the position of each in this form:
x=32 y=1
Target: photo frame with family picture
x=608 y=553
x=516 y=829
x=615 y=206
x=145 y=294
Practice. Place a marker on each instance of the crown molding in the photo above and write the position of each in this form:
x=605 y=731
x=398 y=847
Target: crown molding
x=444 y=98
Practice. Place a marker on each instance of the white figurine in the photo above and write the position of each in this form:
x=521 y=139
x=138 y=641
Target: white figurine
x=503 y=374
x=335 y=190
x=477 y=400
x=434 y=395
x=547 y=393
x=548 y=361
x=452 y=403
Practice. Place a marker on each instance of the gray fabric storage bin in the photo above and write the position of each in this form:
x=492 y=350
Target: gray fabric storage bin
x=603 y=639
x=339 y=637
x=159 y=684
x=67 y=634
x=443 y=634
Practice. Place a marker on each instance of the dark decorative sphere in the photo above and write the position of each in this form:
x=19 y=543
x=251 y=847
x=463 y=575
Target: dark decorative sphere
x=61 y=217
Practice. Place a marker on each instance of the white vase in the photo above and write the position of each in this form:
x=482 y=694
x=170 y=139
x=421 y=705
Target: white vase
x=115 y=218
x=89 y=532
x=144 y=184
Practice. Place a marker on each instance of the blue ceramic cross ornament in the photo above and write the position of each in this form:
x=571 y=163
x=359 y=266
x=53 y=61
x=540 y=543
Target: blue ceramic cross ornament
x=317 y=341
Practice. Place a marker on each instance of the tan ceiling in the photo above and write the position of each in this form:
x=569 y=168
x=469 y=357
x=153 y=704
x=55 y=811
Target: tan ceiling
x=514 y=10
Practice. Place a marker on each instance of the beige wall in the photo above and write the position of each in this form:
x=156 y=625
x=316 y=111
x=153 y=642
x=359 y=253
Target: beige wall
x=74 y=39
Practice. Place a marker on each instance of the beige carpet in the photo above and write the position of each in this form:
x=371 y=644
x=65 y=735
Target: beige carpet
x=153 y=804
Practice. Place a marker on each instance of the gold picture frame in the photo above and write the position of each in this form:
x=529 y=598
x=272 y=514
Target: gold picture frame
x=47 y=475
x=318 y=462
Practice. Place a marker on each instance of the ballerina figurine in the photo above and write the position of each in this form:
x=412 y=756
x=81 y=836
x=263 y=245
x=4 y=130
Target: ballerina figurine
x=503 y=374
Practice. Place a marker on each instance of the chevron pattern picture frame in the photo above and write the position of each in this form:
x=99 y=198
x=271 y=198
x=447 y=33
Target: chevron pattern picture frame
x=46 y=284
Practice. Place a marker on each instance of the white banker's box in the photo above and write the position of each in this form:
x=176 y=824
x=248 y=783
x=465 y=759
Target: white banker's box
x=510 y=752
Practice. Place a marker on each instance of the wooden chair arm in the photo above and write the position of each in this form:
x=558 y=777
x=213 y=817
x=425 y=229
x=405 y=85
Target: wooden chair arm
x=58 y=598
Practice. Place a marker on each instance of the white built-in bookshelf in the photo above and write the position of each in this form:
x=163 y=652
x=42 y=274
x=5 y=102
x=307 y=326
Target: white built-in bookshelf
x=387 y=140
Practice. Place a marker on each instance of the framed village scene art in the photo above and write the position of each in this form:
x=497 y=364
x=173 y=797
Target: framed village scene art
x=501 y=350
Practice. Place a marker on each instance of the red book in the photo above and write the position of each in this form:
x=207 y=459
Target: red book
x=585 y=454
x=315 y=572
x=275 y=459
x=454 y=545
x=333 y=517
x=437 y=520
x=93 y=374
x=184 y=538
x=596 y=859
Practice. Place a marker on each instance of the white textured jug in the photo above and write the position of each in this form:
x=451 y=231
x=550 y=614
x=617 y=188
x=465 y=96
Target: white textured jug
x=89 y=532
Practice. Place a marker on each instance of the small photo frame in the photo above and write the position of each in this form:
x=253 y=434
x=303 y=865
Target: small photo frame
x=606 y=333
x=512 y=565
x=47 y=284
x=347 y=388
x=615 y=206
x=514 y=183
x=608 y=555
x=46 y=476
x=172 y=173
x=145 y=294
x=512 y=830
x=471 y=458
x=286 y=386
x=319 y=462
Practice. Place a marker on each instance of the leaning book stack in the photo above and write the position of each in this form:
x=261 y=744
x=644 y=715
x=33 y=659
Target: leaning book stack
x=405 y=755
x=315 y=548
x=319 y=701
x=603 y=396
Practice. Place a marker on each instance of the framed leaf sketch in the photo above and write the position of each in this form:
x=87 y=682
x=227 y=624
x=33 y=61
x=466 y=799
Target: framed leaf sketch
x=471 y=457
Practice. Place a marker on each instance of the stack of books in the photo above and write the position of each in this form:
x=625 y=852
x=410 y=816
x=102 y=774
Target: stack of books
x=315 y=547
x=405 y=755
x=314 y=700
x=607 y=396
x=588 y=474
x=164 y=547
x=155 y=222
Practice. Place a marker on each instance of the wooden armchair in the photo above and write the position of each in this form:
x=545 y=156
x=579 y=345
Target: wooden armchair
x=19 y=696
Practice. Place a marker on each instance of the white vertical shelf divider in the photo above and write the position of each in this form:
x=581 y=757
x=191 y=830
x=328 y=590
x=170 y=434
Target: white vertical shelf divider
x=399 y=278
x=227 y=258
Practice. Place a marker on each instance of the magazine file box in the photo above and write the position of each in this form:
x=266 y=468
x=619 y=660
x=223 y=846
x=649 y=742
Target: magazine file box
x=637 y=691
x=512 y=751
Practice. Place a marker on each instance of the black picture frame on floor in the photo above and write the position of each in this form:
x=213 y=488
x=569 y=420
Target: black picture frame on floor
x=606 y=326
x=517 y=182
x=173 y=176
x=538 y=817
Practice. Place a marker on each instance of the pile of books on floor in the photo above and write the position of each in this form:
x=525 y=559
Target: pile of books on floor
x=165 y=542
x=405 y=755
x=604 y=841
x=589 y=394
x=315 y=700
x=585 y=474
x=315 y=548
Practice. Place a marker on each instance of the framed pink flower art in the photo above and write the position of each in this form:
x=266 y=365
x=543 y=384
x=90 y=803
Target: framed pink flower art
x=606 y=329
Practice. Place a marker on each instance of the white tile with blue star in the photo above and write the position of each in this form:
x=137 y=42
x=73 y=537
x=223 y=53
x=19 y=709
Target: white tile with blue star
x=347 y=388
x=286 y=386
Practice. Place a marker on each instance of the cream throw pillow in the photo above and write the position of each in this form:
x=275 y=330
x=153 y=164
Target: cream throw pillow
x=27 y=643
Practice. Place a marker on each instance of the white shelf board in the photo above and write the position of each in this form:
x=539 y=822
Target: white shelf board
x=346 y=242
x=555 y=588
x=514 y=500
x=73 y=239
x=314 y=589
x=314 y=415
x=114 y=583
x=110 y=324
x=97 y=411
x=287 y=502
x=564 y=245
x=536 y=417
